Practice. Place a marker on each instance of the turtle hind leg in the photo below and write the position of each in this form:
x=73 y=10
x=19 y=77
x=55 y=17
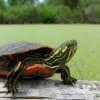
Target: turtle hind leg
x=65 y=75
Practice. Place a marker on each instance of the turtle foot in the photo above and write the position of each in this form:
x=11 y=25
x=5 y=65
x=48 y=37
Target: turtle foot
x=72 y=81
x=11 y=87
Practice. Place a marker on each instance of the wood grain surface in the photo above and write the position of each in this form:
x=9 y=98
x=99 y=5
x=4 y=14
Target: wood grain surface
x=48 y=89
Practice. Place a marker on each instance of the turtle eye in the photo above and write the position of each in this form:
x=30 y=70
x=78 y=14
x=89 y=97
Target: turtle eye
x=70 y=45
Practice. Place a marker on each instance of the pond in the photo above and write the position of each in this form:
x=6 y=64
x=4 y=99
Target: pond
x=86 y=62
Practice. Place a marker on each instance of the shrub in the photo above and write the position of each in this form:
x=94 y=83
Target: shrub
x=21 y=14
x=72 y=4
x=64 y=14
x=1 y=16
x=86 y=2
x=47 y=13
x=77 y=15
x=97 y=11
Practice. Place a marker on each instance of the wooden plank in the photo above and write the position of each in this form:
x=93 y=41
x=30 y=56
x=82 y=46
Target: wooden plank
x=49 y=89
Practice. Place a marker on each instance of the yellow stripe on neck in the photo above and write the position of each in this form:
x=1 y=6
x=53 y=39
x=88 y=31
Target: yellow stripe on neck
x=64 y=50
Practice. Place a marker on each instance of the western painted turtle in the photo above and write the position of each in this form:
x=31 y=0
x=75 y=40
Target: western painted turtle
x=35 y=60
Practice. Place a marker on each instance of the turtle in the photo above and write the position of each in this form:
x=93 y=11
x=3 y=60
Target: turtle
x=26 y=59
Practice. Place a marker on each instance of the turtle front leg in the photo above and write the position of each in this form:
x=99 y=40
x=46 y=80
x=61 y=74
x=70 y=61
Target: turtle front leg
x=11 y=80
x=9 y=83
x=65 y=75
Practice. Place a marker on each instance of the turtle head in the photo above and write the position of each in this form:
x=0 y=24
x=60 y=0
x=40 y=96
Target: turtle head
x=63 y=53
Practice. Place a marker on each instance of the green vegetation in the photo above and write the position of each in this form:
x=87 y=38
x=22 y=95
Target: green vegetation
x=86 y=62
x=50 y=11
x=40 y=14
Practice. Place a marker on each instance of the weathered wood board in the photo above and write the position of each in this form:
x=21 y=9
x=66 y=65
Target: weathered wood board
x=48 y=89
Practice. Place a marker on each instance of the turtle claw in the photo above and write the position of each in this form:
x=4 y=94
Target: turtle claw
x=11 y=87
x=70 y=81
x=74 y=80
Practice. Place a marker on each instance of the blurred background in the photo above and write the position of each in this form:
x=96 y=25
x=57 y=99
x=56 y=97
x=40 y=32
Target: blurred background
x=49 y=11
x=48 y=22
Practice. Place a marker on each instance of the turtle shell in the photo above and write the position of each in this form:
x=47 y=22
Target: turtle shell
x=11 y=51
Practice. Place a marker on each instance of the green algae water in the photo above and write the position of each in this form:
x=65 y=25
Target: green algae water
x=86 y=62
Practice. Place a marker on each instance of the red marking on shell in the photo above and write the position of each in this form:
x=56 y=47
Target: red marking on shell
x=10 y=55
x=3 y=73
x=23 y=52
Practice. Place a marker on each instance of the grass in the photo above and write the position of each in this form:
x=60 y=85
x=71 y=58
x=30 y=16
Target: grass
x=86 y=62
